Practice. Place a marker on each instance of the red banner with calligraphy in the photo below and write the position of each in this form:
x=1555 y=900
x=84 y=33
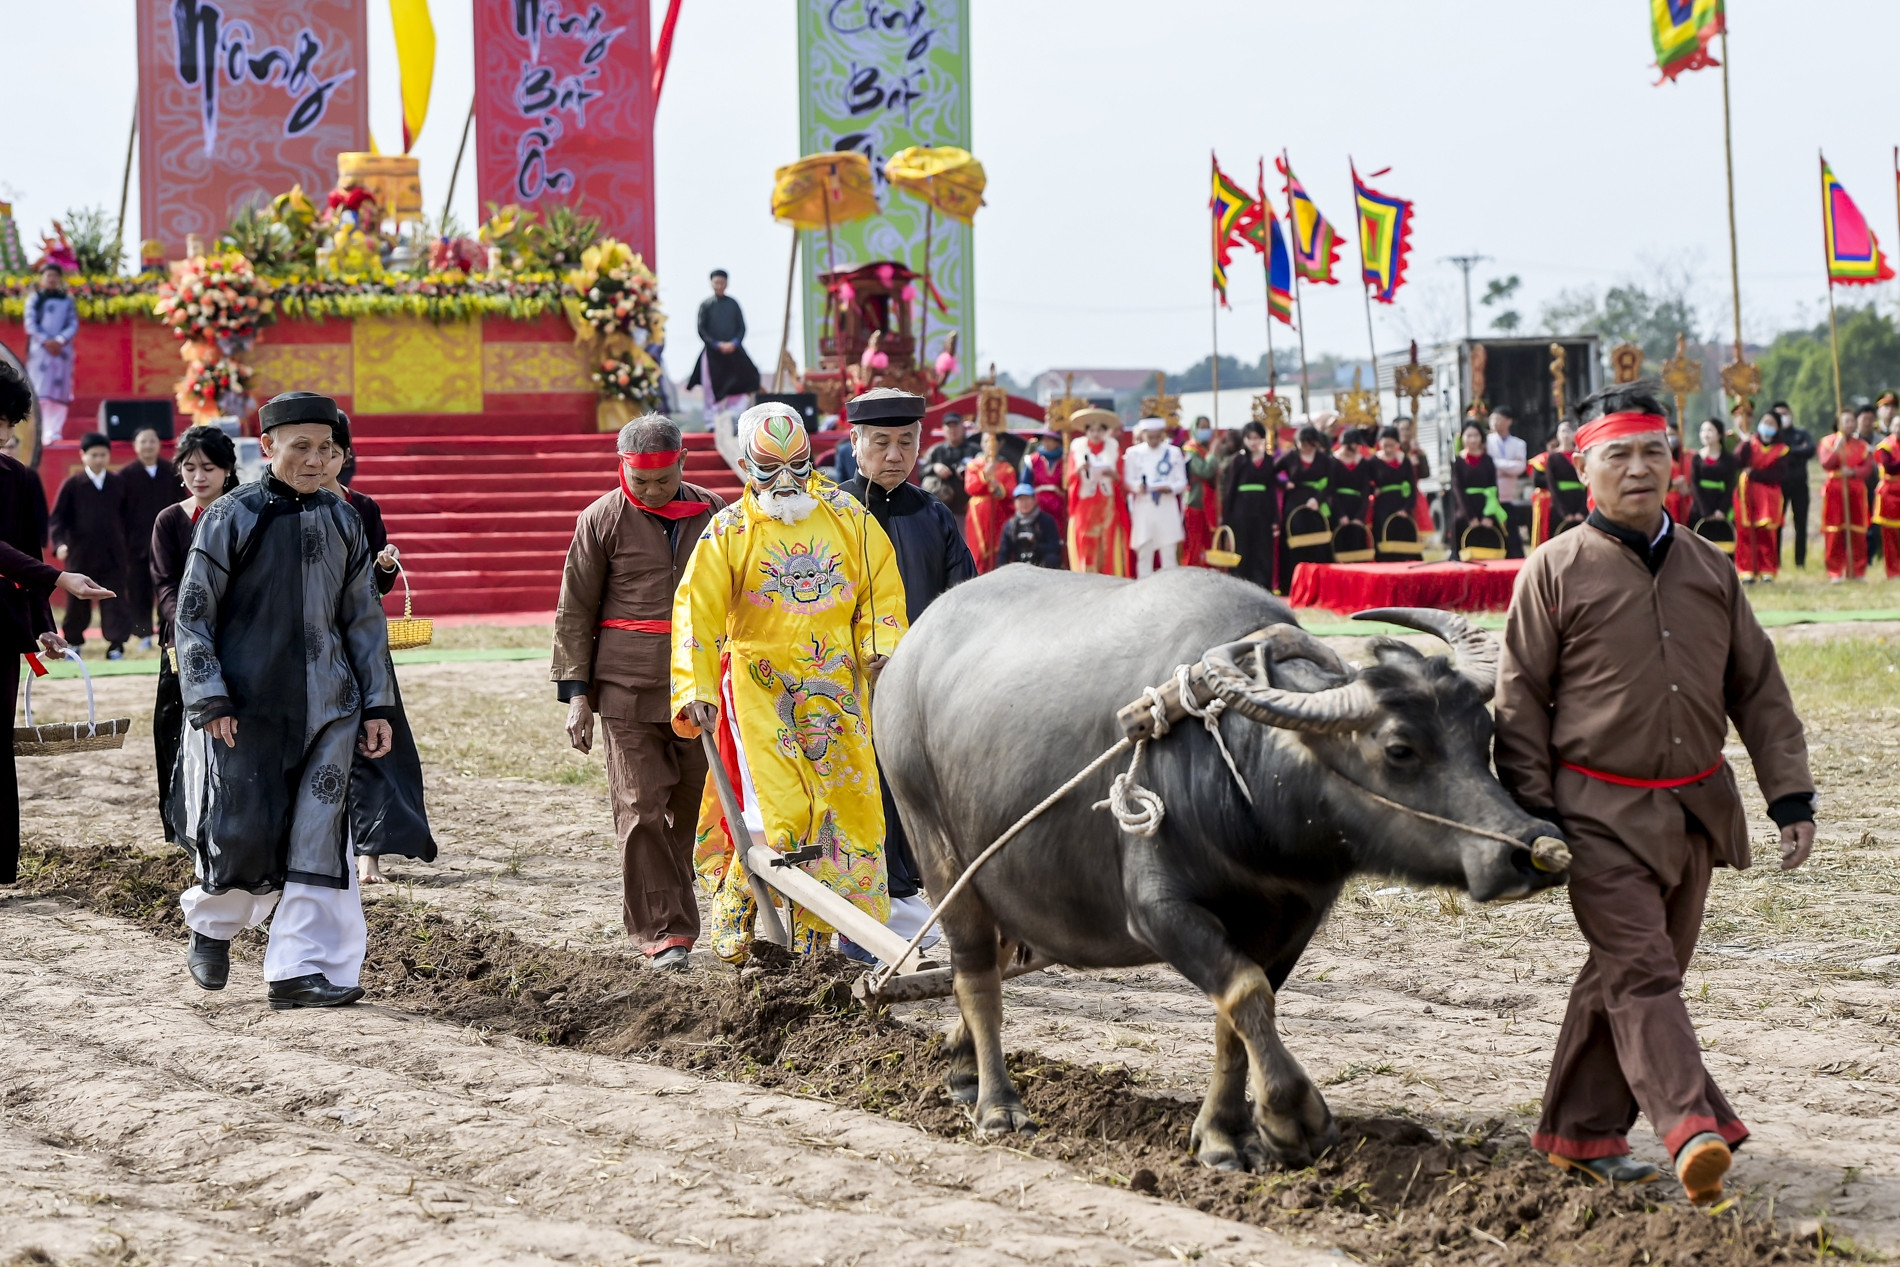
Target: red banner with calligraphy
x=564 y=110
x=240 y=100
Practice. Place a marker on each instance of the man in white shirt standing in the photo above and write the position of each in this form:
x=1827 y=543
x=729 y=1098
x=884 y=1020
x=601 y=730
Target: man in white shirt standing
x=1155 y=474
x=1509 y=455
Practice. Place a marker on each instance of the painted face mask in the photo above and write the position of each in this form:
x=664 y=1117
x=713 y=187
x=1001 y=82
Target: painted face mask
x=778 y=456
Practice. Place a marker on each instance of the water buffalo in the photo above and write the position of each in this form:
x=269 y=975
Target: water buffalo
x=1010 y=684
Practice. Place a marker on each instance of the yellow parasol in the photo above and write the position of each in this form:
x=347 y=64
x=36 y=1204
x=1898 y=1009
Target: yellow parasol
x=817 y=192
x=949 y=180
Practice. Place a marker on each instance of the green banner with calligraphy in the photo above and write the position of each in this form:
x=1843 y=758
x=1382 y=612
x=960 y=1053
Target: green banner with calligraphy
x=876 y=77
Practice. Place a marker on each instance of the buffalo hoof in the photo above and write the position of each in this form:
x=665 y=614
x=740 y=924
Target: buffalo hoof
x=962 y=1085
x=1220 y=1149
x=1295 y=1139
x=1003 y=1116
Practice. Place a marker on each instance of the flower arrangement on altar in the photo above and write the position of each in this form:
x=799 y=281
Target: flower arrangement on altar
x=211 y=388
x=214 y=297
x=633 y=376
x=215 y=304
x=617 y=309
x=619 y=294
x=295 y=258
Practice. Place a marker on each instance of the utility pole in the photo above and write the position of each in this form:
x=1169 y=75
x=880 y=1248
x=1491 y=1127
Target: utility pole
x=1466 y=263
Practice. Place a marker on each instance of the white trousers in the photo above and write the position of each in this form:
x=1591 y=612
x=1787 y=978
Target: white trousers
x=317 y=929
x=52 y=420
x=908 y=914
x=1145 y=559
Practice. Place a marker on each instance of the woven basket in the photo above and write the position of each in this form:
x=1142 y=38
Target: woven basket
x=1482 y=539
x=1352 y=544
x=1718 y=532
x=407 y=631
x=55 y=738
x=1219 y=558
x=1399 y=535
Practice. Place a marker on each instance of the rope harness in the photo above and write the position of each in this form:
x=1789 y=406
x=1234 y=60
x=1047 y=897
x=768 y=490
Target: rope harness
x=1139 y=810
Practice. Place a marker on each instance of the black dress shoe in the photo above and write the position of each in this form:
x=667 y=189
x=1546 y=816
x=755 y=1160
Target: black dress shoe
x=210 y=961
x=315 y=990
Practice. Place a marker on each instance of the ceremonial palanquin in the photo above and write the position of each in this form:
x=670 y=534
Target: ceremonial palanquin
x=774 y=623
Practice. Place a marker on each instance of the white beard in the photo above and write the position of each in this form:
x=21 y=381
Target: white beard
x=787 y=508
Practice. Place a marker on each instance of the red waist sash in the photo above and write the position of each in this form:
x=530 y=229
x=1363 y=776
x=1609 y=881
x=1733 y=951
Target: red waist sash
x=1625 y=781
x=639 y=626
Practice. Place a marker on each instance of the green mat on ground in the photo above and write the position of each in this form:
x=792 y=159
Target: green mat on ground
x=421 y=655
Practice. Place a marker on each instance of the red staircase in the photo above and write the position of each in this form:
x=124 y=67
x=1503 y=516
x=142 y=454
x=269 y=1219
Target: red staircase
x=483 y=505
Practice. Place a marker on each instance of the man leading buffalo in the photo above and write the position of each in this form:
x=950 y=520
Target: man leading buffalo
x=1628 y=650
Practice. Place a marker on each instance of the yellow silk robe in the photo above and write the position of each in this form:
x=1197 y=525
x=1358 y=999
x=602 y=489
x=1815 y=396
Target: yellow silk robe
x=794 y=611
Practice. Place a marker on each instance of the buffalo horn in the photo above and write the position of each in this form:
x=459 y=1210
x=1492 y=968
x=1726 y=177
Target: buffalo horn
x=1477 y=650
x=1340 y=708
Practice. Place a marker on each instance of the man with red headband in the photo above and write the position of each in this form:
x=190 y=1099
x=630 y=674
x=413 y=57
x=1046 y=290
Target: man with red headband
x=1628 y=650
x=613 y=656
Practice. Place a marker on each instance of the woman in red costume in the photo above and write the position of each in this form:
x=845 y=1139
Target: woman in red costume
x=1098 y=509
x=1845 y=458
x=1760 y=460
x=991 y=482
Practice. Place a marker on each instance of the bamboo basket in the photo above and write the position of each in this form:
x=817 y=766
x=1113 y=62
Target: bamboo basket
x=1219 y=558
x=54 y=738
x=1481 y=539
x=409 y=631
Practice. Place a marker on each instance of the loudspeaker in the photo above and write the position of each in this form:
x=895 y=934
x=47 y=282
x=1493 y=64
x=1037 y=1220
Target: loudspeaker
x=806 y=403
x=123 y=419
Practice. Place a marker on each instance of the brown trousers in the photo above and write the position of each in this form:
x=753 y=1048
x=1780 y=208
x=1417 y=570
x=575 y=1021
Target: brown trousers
x=655 y=780
x=1627 y=1042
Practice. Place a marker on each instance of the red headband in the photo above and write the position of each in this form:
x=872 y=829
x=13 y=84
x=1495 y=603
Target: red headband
x=652 y=461
x=1618 y=427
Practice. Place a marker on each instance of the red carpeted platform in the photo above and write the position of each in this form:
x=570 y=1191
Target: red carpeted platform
x=1351 y=587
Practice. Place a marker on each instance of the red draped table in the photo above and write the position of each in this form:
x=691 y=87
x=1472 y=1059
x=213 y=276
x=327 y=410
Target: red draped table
x=1351 y=587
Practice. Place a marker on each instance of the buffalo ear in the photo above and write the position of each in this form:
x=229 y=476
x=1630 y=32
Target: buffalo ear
x=1300 y=674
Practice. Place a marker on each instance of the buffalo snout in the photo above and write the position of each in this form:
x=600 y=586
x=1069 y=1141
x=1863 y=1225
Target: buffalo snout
x=1497 y=872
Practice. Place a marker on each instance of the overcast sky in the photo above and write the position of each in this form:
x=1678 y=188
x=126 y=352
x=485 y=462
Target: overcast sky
x=1531 y=133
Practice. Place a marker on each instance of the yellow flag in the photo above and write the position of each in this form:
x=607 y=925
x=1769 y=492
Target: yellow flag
x=415 y=59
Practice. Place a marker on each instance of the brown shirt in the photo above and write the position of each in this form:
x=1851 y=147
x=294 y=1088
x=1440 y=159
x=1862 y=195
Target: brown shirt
x=620 y=567
x=1608 y=667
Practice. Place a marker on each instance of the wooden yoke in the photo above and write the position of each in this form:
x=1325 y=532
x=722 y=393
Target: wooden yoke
x=1137 y=719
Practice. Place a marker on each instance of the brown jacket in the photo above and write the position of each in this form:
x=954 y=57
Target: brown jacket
x=619 y=568
x=1610 y=668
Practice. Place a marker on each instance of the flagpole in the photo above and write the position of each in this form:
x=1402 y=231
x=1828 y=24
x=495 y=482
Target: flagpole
x=1299 y=305
x=1827 y=270
x=1266 y=267
x=1728 y=154
x=1213 y=292
x=1266 y=276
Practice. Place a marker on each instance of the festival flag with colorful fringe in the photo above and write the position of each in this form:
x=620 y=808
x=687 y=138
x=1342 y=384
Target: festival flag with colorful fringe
x=1682 y=30
x=1315 y=242
x=1233 y=209
x=1267 y=239
x=1854 y=257
x=1385 y=237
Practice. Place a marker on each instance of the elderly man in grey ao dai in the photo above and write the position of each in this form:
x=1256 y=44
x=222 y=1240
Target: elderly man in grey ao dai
x=283 y=658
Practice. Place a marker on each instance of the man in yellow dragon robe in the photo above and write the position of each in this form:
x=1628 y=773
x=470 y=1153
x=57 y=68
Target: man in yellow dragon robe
x=788 y=609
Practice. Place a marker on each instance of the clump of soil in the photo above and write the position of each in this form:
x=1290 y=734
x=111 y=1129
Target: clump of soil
x=1395 y=1190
